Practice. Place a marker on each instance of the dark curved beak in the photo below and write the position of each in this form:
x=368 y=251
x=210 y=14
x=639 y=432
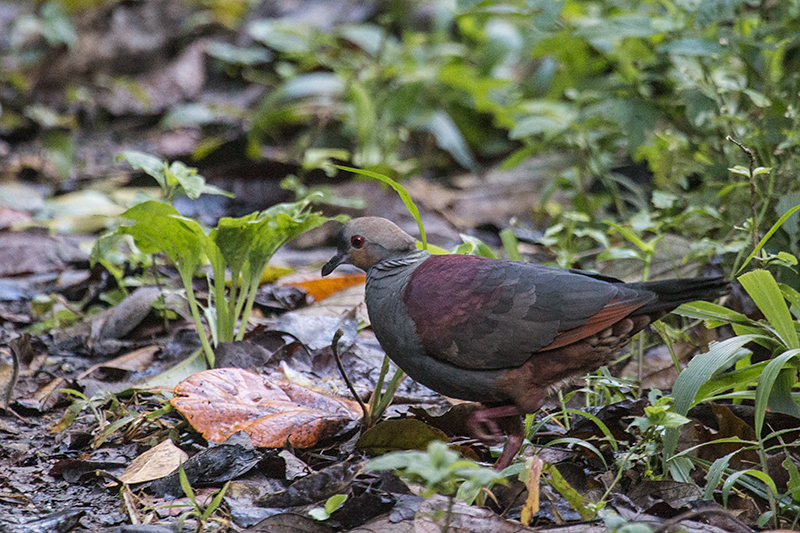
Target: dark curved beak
x=331 y=265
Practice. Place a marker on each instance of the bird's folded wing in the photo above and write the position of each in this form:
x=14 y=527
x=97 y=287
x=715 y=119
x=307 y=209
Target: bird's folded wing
x=484 y=314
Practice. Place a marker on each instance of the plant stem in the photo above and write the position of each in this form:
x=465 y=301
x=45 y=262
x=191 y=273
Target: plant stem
x=251 y=298
x=753 y=198
x=335 y=350
x=198 y=322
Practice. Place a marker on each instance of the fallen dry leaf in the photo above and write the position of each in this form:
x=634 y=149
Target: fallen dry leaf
x=534 y=467
x=155 y=463
x=222 y=401
x=133 y=361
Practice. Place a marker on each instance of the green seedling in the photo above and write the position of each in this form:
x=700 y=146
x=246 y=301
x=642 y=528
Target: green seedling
x=439 y=470
x=201 y=514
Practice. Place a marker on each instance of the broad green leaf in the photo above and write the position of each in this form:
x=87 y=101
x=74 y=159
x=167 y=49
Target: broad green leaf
x=774 y=387
x=720 y=356
x=726 y=487
x=764 y=291
x=160 y=227
x=450 y=139
x=758 y=99
x=619 y=27
x=692 y=47
x=151 y=165
x=334 y=502
x=192 y=183
x=711 y=312
x=280 y=36
x=251 y=55
x=234 y=237
x=728 y=380
x=473 y=246
x=176 y=174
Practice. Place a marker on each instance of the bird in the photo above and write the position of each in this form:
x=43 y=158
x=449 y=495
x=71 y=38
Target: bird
x=503 y=333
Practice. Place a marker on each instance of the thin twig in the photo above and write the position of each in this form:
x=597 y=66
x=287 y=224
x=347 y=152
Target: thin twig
x=335 y=349
x=754 y=226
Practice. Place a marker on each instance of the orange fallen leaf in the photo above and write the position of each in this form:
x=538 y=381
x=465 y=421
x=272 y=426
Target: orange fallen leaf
x=324 y=287
x=220 y=402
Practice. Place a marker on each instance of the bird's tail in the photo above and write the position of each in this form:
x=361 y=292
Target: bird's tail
x=673 y=292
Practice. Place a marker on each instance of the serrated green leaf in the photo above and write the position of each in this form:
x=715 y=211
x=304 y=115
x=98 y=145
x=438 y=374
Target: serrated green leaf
x=793 y=487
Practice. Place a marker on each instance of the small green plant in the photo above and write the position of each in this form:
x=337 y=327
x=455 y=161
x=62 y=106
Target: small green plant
x=331 y=506
x=202 y=515
x=174 y=179
x=238 y=249
x=110 y=414
x=439 y=470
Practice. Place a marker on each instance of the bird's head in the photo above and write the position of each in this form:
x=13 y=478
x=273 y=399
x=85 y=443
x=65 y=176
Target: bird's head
x=365 y=241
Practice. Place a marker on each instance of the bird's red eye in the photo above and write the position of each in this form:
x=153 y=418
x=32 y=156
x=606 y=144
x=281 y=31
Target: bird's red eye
x=357 y=241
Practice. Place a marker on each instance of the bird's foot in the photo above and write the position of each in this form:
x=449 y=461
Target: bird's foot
x=490 y=419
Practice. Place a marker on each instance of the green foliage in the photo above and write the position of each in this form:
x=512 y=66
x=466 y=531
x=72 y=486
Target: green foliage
x=331 y=505
x=659 y=416
x=174 y=179
x=240 y=247
x=768 y=383
x=439 y=470
x=773 y=380
x=201 y=514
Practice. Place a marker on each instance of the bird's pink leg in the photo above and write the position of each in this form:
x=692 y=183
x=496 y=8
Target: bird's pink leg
x=513 y=425
x=510 y=450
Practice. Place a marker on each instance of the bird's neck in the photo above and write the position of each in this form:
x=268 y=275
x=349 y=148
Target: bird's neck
x=401 y=261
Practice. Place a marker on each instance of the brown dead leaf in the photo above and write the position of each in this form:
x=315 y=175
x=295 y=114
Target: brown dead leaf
x=155 y=463
x=219 y=402
x=134 y=361
x=321 y=288
x=728 y=425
